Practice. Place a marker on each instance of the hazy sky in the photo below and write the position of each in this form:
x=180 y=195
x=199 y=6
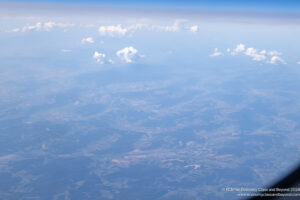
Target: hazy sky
x=123 y=99
x=261 y=5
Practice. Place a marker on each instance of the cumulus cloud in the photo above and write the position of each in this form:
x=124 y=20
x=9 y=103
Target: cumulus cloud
x=255 y=55
x=276 y=60
x=101 y=58
x=274 y=53
x=239 y=48
x=173 y=28
x=112 y=30
x=216 y=53
x=194 y=29
x=271 y=57
x=122 y=30
x=128 y=54
x=137 y=26
x=40 y=26
x=49 y=25
x=37 y=27
x=87 y=40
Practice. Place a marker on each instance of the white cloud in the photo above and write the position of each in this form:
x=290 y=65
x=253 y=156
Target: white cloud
x=194 y=29
x=275 y=60
x=128 y=54
x=110 y=61
x=271 y=57
x=101 y=58
x=121 y=30
x=112 y=30
x=49 y=25
x=255 y=56
x=298 y=62
x=274 y=53
x=216 y=53
x=39 y=26
x=263 y=52
x=175 y=27
x=66 y=50
x=239 y=48
x=15 y=30
x=87 y=40
x=138 y=26
x=250 y=51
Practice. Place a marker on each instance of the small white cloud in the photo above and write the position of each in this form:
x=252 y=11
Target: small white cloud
x=110 y=61
x=49 y=25
x=66 y=50
x=216 y=53
x=112 y=30
x=263 y=52
x=138 y=26
x=63 y=25
x=100 y=57
x=271 y=57
x=298 y=62
x=37 y=27
x=275 y=60
x=175 y=27
x=239 y=48
x=128 y=54
x=87 y=40
x=274 y=53
x=194 y=29
x=255 y=56
x=15 y=30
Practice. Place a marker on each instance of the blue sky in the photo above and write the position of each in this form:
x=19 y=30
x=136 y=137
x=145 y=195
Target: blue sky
x=257 y=5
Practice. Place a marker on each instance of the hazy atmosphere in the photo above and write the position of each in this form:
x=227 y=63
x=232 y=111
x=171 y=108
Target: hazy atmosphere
x=155 y=100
